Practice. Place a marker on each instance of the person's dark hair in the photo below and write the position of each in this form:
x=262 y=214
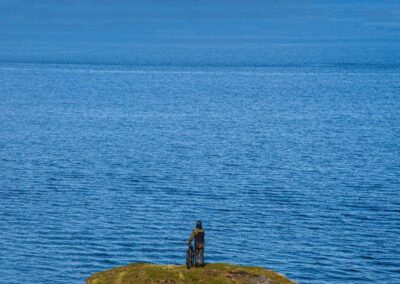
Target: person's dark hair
x=199 y=225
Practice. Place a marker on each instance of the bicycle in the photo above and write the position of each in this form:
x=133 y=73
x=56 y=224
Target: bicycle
x=190 y=256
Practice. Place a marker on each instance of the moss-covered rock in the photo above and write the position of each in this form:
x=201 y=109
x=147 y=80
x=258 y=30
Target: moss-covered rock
x=217 y=273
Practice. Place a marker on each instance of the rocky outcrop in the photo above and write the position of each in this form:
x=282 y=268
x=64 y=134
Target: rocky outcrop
x=143 y=273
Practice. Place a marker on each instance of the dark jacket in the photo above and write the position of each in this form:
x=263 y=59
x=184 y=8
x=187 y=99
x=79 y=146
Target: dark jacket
x=198 y=237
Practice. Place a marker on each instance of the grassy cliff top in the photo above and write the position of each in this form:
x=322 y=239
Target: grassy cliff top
x=218 y=273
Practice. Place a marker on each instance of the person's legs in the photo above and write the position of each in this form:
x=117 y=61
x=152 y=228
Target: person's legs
x=202 y=256
x=196 y=256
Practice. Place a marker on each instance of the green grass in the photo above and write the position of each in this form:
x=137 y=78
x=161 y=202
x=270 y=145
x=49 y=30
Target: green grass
x=215 y=273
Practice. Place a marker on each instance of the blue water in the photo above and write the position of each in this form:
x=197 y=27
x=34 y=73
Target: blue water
x=276 y=123
x=293 y=169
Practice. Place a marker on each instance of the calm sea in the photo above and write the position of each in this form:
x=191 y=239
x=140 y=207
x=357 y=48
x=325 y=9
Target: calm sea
x=293 y=169
x=277 y=123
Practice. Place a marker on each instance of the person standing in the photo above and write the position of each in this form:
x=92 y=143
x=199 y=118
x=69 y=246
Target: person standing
x=198 y=235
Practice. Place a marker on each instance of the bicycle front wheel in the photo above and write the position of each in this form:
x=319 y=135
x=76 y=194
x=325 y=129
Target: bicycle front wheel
x=189 y=259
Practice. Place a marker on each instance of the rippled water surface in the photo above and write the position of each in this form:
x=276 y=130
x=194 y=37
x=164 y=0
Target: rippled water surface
x=294 y=169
